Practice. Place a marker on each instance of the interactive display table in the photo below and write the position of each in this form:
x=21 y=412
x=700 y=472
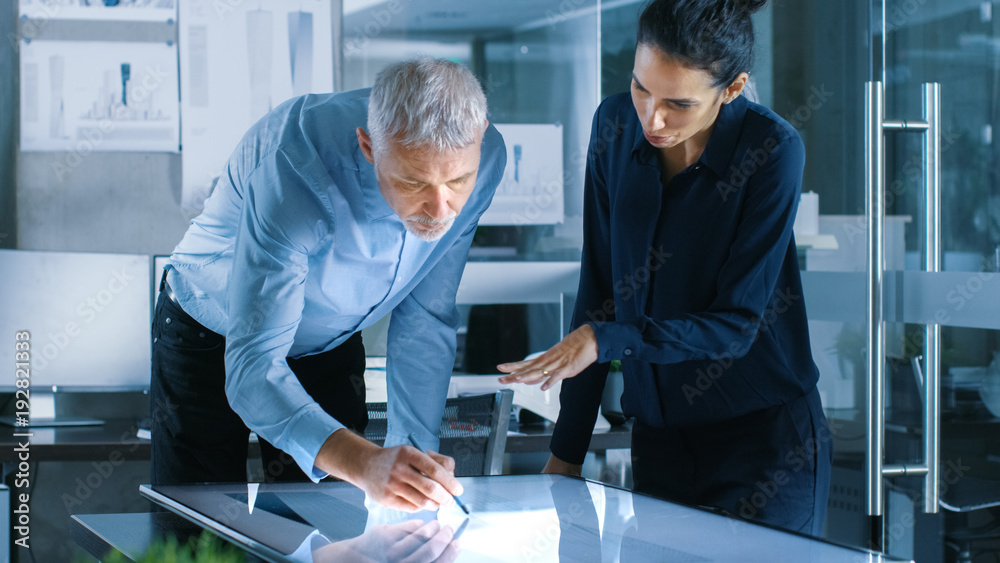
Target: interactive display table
x=514 y=518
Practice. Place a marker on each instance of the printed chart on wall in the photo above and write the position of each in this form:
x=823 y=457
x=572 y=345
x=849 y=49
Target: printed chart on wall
x=103 y=10
x=99 y=96
x=239 y=60
x=531 y=191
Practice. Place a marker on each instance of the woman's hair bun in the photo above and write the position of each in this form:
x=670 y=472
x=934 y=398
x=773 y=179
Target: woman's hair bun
x=711 y=35
x=749 y=6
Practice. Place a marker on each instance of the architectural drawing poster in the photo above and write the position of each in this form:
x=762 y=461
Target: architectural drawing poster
x=99 y=96
x=238 y=61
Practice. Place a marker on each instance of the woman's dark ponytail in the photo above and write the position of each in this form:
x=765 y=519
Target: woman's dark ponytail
x=711 y=35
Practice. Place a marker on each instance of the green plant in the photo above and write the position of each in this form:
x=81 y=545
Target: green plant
x=206 y=548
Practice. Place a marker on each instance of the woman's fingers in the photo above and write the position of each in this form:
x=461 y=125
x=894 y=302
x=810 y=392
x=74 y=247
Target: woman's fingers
x=562 y=361
x=547 y=377
x=525 y=374
x=511 y=367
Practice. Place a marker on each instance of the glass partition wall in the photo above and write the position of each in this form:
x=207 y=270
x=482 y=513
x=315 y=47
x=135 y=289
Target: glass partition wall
x=900 y=287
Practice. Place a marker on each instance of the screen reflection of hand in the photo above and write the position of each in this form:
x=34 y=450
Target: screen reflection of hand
x=413 y=541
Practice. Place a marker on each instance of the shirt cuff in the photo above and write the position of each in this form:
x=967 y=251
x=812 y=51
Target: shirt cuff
x=616 y=340
x=307 y=432
x=396 y=438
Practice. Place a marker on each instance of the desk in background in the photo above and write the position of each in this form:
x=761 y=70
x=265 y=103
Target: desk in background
x=116 y=440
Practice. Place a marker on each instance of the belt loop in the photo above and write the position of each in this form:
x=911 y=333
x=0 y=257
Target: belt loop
x=163 y=280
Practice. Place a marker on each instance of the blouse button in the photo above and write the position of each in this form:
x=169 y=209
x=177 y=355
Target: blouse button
x=628 y=352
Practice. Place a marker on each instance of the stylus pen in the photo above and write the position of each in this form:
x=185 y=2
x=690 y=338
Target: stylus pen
x=458 y=501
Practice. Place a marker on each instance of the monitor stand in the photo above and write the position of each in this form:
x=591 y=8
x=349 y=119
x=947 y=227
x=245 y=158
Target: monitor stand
x=43 y=414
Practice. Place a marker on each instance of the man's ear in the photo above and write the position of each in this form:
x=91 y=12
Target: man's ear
x=365 y=142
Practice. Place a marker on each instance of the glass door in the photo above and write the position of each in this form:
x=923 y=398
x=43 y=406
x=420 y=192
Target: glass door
x=896 y=102
x=939 y=65
x=813 y=60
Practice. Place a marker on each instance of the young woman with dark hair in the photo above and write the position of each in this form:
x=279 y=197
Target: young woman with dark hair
x=690 y=278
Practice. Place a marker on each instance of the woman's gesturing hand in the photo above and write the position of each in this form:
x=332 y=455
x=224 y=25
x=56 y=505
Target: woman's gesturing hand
x=562 y=361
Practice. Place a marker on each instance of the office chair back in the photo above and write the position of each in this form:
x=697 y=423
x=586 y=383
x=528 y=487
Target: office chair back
x=473 y=431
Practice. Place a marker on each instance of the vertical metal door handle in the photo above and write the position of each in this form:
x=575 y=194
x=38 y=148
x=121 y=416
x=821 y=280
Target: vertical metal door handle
x=932 y=263
x=875 y=246
x=875 y=128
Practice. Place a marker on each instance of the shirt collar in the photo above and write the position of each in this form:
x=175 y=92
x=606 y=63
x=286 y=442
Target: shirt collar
x=718 y=151
x=375 y=205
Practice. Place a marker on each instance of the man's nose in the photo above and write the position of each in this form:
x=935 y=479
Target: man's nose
x=437 y=203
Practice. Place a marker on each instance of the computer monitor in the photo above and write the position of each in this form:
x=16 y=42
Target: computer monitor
x=86 y=320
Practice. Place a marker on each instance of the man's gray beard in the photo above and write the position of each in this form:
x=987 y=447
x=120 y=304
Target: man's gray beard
x=427 y=236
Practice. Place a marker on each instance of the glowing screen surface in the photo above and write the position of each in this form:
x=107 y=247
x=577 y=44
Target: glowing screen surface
x=513 y=518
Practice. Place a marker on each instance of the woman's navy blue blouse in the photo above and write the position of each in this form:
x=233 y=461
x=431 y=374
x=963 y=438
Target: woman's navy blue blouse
x=693 y=285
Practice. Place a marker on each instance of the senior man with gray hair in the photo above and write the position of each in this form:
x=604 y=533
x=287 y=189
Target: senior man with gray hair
x=317 y=229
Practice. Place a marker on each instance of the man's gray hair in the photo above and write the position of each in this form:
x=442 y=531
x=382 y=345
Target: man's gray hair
x=426 y=103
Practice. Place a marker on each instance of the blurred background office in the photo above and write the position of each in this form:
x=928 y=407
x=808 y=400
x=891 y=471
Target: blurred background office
x=195 y=73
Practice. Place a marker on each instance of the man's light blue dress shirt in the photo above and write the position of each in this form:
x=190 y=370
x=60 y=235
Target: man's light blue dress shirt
x=297 y=250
